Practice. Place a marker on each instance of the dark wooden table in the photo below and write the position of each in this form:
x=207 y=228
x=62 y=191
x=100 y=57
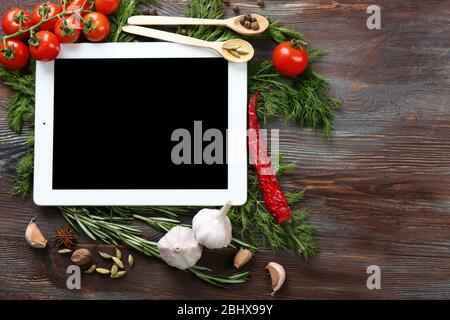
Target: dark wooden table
x=379 y=191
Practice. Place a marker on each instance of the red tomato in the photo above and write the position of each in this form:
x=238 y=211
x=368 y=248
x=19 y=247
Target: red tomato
x=68 y=29
x=46 y=10
x=78 y=4
x=11 y=21
x=15 y=56
x=96 y=27
x=290 y=61
x=47 y=46
x=106 y=6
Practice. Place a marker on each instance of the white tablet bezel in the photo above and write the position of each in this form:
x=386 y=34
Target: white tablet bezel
x=44 y=194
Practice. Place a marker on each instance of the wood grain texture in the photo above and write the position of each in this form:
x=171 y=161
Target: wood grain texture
x=379 y=190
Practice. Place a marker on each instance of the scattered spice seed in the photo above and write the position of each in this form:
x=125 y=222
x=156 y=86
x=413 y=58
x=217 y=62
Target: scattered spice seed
x=102 y=271
x=91 y=269
x=261 y=3
x=64 y=251
x=153 y=12
x=236 y=9
x=118 y=262
x=104 y=255
x=119 y=274
x=183 y=32
x=226 y=2
x=118 y=253
x=130 y=260
x=114 y=269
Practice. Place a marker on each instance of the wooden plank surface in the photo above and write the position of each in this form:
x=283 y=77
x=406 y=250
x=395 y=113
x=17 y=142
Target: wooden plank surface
x=379 y=190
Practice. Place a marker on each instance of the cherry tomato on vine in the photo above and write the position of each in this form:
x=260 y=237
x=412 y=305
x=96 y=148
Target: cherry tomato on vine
x=96 y=27
x=107 y=6
x=44 y=46
x=13 y=19
x=44 y=11
x=68 y=29
x=15 y=55
x=290 y=59
x=78 y=4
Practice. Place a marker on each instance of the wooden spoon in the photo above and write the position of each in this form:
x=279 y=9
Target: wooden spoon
x=233 y=23
x=220 y=47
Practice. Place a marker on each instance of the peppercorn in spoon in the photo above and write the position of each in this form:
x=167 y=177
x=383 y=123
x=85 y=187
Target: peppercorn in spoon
x=247 y=25
x=235 y=50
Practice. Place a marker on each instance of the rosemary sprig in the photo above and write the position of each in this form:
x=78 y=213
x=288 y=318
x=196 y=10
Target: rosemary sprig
x=115 y=229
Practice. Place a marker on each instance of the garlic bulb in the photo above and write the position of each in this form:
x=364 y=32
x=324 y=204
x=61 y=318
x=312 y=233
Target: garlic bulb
x=212 y=227
x=34 y=236
x=179 y=248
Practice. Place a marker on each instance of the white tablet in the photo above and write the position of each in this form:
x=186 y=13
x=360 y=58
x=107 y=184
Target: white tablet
x=140 y=124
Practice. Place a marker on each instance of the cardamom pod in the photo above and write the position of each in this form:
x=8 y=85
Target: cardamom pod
x=130 y=260
x=234 y=53
x=114 y=269
x=102 y=271
x=230 y=46
x=104 y=255
x=64 y=251
x=91 y=269
x=242 y=51
x=119 y=274
x=118 y=262
x=118 y=253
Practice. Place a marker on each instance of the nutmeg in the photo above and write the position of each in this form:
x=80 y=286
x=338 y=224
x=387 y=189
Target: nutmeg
x=81 y=257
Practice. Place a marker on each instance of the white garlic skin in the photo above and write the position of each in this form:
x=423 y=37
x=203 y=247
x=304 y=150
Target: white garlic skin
x=179 y=248
x=212 y=227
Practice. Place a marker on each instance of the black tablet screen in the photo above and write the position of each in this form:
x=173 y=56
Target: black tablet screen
x=115 y=123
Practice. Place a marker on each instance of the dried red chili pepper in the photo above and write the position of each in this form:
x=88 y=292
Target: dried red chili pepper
x=273 y=196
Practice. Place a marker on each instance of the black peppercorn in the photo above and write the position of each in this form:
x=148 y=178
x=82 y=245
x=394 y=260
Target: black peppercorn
x=248 y=17
x=255 y=25
x=261 y=3
x=226 y=2
x=236 y=9
x=248 y=24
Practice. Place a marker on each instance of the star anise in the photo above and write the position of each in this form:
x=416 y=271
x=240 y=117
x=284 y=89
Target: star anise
x=65 y=237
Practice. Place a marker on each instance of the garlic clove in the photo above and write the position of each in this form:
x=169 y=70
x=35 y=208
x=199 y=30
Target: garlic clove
x=242 y=257
x=179 y=248
x=212 y=228
x=34 y=236
x=277 y=274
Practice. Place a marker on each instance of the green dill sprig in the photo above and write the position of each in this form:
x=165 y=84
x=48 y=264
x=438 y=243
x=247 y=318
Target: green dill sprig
x=303 y=99
x=119 y=19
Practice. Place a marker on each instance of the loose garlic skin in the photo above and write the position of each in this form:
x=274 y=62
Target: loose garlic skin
x=212 y=227
x=179 y=248
x=34 y=236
